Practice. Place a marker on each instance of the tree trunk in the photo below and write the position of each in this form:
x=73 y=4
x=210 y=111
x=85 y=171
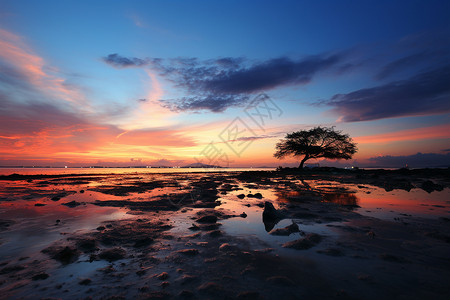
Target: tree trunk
x=303 y=162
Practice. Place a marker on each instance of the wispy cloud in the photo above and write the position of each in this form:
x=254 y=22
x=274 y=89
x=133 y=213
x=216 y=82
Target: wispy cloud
x=23 y=68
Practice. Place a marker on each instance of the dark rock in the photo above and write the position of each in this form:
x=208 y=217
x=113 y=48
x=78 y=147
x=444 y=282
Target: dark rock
x=113 y=254
x=12 y=269
x=187 y=279
x=143 y=242
x=85 y=281
x=87 y=244
x=39 y=204
x=100 y=228
x=41 y=276
x=270 y=213
x=207 y=219
x=257 y=196
x=429 y=186
x=163 y=276
x=210 y=287
x=72 y=204
x=241 y=196
x=65 y=255
x=286 y=230
x=189 y=252
x=225 y=247
x=215 y=233
x=307 y=242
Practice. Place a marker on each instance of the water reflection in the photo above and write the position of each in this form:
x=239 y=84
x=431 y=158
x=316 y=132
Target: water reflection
x=345 y=199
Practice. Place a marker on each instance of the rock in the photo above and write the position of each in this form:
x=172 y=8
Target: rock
x=113 y=254
x=39 y=204
x=187 y=279
x=207 y=219
x=87 y=244
x=215 y=233
x=286 y=230
x=163 y=276
x=257 y=196
x=100 y=228
x=56 y=198
x=429 y=186
x=41 y=276
x=164 y=284
x=143 y=242
x=243 y=215
x=65 y=255
x=307 y=242
x=270 y=213
x=225 y=247
x=270 y=216
x=189 y=252
x=81 y=191
x=71 y=204
x=210 y=287
x=280 y=280
x=241 y=196
x=85 y=281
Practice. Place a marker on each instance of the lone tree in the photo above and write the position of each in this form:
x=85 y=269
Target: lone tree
x=315 y=143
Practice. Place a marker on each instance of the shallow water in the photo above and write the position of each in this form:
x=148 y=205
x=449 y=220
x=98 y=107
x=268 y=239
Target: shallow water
x=36 y=227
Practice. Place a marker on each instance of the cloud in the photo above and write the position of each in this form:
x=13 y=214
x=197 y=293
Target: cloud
x=214 y=103
x=118 y=61
x=419 y=160
x=401 y=64
x=26 y=73
x=425 y=94
x=218 y=84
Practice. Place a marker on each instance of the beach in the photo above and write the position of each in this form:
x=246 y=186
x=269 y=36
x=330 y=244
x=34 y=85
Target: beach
x=322 y=233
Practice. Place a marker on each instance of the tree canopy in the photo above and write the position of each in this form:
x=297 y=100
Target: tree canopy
x=318 y=142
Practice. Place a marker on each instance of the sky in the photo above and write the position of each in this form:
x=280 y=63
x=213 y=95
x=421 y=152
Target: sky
x=171 y=83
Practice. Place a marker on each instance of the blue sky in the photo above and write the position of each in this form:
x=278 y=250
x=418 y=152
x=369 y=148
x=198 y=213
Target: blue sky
x=186 y=69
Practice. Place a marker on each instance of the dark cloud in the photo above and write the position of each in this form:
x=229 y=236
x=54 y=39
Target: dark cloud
x=401 y=64
x=218 y=84
x=118 y=61
x=214 y=103
x=419 y=160
x=425 y=94
x=234 y=76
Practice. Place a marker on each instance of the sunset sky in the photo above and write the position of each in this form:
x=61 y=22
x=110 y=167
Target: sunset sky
x=123 y=83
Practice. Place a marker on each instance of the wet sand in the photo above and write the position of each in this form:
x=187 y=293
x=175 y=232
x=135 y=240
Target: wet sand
x=318 y=234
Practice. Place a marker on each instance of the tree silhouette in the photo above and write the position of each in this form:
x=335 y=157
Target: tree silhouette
x=316 y=143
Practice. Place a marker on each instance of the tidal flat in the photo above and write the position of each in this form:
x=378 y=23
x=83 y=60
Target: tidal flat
x=323 y=233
